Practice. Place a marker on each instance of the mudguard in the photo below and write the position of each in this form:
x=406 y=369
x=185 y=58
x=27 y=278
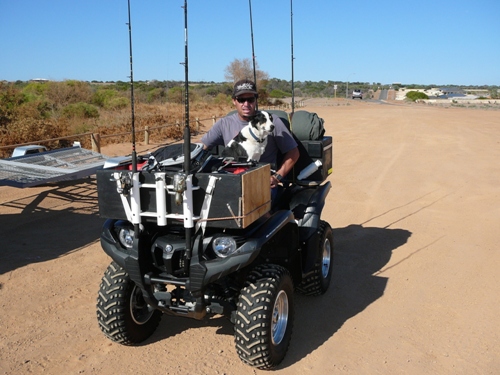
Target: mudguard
x=307 y=206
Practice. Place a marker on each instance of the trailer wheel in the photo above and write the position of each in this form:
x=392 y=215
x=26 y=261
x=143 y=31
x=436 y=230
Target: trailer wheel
x=264 y=317
x=317 y=282
x=123 y=315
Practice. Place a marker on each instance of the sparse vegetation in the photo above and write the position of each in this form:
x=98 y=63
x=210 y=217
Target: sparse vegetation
x=33 y=111
x=80 y=110
x=279 y=94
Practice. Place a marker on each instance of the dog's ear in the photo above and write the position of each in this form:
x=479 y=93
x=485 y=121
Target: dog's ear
x=258 y=118
x=265 y=116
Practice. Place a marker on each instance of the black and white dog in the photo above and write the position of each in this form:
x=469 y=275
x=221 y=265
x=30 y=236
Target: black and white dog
x=251 y=141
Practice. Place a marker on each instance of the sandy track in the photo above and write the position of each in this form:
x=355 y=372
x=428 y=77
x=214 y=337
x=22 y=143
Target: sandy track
x=415 y=211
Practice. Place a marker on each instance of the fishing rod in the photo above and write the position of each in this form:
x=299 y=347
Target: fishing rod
x=134 y=154
x=291 y=33
x=251 y=36
x=187 y=131
x=187 y=177
x=135 y=175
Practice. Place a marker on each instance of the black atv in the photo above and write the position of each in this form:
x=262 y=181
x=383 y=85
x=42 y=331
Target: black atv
x=203 y=237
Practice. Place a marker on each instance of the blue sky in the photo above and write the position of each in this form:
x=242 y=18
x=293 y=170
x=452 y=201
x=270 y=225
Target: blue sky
x=422 y=42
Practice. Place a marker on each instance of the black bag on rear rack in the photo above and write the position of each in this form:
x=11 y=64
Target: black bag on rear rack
x=307 y=126
x=309 y=132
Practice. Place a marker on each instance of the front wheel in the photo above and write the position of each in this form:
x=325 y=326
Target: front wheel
x=264 y=317
x=122 y=313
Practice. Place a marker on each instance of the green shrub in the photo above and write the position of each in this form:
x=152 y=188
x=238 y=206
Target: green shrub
x=118 y=102
x=103 y=96
x=223 y=99
x=122 y=86
x=176 y=95
x=279 y=94
x=80 y=110
x=10 y=99
x=37 y=89
x=156 y=95
x=415 y=95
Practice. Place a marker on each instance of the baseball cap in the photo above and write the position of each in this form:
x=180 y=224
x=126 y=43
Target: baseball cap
x=244 y=86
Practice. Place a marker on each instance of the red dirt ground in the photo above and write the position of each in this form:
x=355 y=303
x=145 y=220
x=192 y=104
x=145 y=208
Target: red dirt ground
x=415 y=213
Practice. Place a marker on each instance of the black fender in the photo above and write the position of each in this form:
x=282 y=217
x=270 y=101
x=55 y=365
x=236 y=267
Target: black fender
x=307 y=206
x=128 y=259
x=110 y=244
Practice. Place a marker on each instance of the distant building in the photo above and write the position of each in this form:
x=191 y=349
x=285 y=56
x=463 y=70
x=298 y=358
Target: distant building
x=41 y=80
x=451 y=92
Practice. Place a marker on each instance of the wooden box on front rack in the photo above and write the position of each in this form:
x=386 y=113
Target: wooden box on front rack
x=236 y=202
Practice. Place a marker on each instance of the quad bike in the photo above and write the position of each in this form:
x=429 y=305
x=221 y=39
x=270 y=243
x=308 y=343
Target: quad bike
x=199 y=236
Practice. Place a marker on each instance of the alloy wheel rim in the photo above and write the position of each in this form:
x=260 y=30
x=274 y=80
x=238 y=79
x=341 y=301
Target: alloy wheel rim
x=327 y=256
x=279 y=318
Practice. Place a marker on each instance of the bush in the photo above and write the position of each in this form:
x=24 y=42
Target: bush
x=156 y=95
x=119 y=102
x=28 y=130
x=103 y=96
x=80 y=110
x=223 y=99
x=415 y=95
x=16 y=104
x=10 y=100
x=175 y=95
x=67 y=92
x=279 y=94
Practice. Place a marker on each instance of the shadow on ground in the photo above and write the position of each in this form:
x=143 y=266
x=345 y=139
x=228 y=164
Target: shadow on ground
x=359 y=253
x=49 y=224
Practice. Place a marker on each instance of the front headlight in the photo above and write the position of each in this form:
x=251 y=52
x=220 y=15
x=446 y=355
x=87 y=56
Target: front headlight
x=126 y=237
x=224 y=246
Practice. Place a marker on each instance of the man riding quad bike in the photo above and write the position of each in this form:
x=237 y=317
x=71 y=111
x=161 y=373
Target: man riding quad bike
x=201 y=237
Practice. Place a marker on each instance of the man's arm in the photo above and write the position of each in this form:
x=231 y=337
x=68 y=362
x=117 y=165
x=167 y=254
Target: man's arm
x=289 y=160
x=213 y=136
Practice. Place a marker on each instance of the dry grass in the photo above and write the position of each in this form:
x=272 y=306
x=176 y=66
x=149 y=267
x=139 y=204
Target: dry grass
x=28 y=127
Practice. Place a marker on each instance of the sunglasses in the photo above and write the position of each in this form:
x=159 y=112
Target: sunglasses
x=243 y=100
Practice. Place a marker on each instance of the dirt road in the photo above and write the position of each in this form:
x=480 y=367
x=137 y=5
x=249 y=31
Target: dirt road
x=415 y=211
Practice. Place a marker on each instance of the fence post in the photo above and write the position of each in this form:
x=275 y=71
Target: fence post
x=213 y=119
x=95 y=139
x=146 y=135
x=197 y=124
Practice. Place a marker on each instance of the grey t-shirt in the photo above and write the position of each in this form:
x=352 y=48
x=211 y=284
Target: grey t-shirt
x=224 y=130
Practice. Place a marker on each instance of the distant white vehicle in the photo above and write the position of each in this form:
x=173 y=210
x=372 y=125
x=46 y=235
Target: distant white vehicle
x=28 y=150
x=357 y=94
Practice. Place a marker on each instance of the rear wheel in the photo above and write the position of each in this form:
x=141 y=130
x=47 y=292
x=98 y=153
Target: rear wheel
x=122 y=313
x=318 y=281
x=264 y=317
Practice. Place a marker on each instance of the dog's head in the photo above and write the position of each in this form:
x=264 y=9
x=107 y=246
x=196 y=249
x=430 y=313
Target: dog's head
x=263 y=123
